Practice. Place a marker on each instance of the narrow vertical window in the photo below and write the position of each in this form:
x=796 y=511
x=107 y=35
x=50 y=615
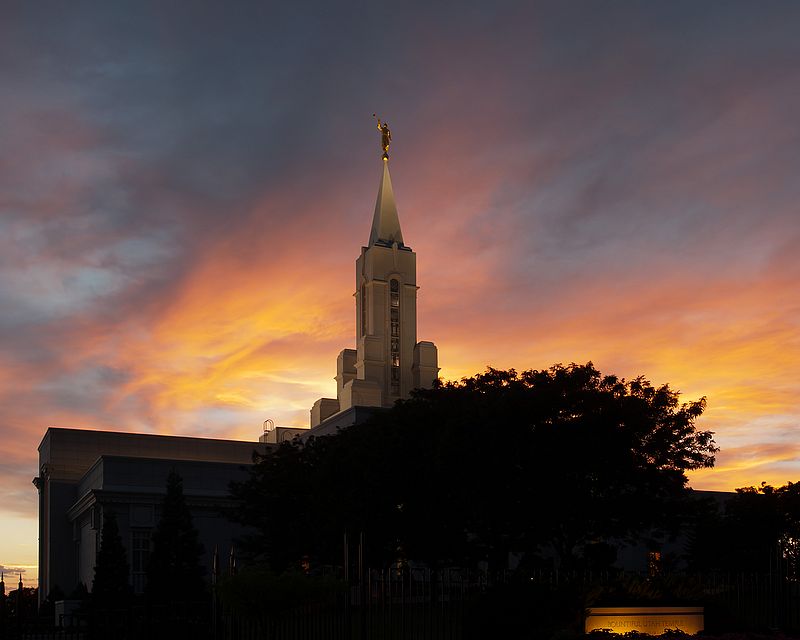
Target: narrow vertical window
x=363 y=310
x=140 y=556
x=394 y=320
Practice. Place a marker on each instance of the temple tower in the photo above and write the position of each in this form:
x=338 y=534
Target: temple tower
x=387 y=362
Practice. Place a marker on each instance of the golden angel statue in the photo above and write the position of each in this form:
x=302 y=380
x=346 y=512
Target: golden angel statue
x=386 y=136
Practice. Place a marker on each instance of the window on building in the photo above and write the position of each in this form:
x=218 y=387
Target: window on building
x=394 y=319
x=363 y=310
x=140 y=556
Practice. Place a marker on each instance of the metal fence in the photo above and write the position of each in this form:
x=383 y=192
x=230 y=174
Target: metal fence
x=432 y=605
x=384 y=605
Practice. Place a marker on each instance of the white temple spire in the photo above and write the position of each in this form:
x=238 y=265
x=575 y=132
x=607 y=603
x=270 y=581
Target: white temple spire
x=385 y=222
x=388 y=362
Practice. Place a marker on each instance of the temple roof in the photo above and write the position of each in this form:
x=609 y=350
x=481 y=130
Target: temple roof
x=385 y=223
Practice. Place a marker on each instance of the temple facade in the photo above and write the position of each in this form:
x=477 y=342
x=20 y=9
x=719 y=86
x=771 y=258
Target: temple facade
x=388 y=361
x=83 y=474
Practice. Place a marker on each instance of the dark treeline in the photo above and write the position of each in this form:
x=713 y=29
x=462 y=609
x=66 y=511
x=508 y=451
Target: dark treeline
x=559 y=467
x=554 y=464
x=175 y=603
x=755 y=531
x=174 y=572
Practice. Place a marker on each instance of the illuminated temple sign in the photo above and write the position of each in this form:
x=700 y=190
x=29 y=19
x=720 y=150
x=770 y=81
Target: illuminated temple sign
x=651 y=620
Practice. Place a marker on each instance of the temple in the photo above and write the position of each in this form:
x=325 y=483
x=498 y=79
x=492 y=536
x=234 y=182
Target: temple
x=84 y=473
x=388 y=361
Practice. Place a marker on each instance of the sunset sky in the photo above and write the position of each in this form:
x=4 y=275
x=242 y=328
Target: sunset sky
x=184 y=188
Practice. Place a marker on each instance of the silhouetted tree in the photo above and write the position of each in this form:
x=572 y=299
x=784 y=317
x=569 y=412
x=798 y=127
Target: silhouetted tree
x=174 y=572
x=503 y=461
x=110 y=587
x=21 y=604
x=757 y=530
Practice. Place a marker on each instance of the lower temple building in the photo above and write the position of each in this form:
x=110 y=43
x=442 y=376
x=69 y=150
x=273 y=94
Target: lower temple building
x=84 y=473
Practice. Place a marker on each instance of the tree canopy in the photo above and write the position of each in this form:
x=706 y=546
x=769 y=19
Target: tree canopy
x=757 y=530
x=502 y=461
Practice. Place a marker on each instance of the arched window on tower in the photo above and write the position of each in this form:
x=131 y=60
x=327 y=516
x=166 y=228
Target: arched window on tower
x=394 y=337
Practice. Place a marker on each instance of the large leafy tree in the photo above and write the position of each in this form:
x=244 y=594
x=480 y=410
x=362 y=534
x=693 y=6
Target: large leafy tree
x=756 y=530
x=111 y=587
x=174 y=572
x=560 y=458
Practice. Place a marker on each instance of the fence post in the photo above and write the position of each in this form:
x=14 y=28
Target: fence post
x=361 y=592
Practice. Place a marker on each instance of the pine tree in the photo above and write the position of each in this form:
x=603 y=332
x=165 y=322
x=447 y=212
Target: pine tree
x=175 y=573
x=110 y=587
